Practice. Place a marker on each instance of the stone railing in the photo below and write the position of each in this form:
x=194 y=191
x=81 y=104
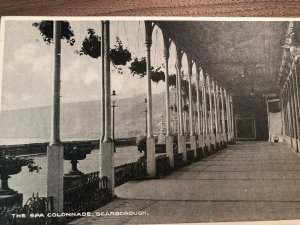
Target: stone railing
x=87 y=196
x=22 y=215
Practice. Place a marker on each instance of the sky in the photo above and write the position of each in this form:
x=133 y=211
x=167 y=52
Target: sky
x=28 y=64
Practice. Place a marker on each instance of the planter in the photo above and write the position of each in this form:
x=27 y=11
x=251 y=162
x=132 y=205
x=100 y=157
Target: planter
x=74 y=154
x=7 y=168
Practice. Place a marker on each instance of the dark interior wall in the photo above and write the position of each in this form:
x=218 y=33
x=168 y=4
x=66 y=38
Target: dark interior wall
x=261 y=123
x=258 y=107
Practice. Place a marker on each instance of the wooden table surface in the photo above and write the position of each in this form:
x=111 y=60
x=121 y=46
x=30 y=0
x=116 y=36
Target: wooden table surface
x=258 y=8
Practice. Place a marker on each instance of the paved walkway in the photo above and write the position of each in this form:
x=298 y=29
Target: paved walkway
x=248 y=181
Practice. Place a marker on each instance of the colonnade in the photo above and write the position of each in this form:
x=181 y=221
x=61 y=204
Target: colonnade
x=289 y=87
x=289 y=98
x=213 y=127
x=209 y=131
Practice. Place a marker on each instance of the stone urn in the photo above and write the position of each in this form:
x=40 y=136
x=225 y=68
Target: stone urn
x=9 y=166
x=74 y=154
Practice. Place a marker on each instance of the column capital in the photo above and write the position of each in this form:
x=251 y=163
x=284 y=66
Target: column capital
x=212 y=84
x=167 y=43
x=217 y=88
x=198 y=68
x=149 y=25
x=179 y=54
x=202 y=78
x=207 y=79
x=221 y=91
x=190 y=64
x=178 y=67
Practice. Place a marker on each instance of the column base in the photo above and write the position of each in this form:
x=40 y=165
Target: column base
x=55 y=173
x=193 y=142
x=201 y=146
x=294 y=145
x=151 y=163
x=200 y=140
x=106 y=156
x=213 y=143
x=289 y=141
x=169 y=150
x=207 y=144
x=182 y=147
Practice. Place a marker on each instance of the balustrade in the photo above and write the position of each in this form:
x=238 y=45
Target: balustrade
x=190 y=156
x=178 y=160
x=129 y=171
x=199 y=153
x=88 y=195
x=162 y=165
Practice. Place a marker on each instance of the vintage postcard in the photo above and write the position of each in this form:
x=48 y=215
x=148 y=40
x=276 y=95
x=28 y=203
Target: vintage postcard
x=141 y=120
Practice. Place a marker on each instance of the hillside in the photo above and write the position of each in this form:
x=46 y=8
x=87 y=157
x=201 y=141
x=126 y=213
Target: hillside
x=80 y=119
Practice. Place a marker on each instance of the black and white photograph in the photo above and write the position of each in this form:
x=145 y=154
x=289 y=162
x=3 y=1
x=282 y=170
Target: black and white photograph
x=149 y=120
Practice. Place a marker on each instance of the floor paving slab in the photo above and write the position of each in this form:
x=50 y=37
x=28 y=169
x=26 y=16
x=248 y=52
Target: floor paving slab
x=249 y=181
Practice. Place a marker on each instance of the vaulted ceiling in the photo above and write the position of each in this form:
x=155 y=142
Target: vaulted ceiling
x=244 y=56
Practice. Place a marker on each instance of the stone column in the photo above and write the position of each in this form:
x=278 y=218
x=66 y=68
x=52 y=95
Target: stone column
x=297 y=92
x=232 y=119
x=199 y=123
x=181 y=138
x=285 y=113
x=296 y=109
x=293 y=115
x=193 y=140
x=211 y=125
x=151 y=163
x=102 y=85
x=55 y=151
x=223 y=117
x=288 y=109
x=107 y=146
x=228 y=118
x=169 y=138
x=288 y=114
x=283 y=120
x=215 y=94
x=205 y=114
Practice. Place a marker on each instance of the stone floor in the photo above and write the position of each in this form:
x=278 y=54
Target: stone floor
x=250 y=181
